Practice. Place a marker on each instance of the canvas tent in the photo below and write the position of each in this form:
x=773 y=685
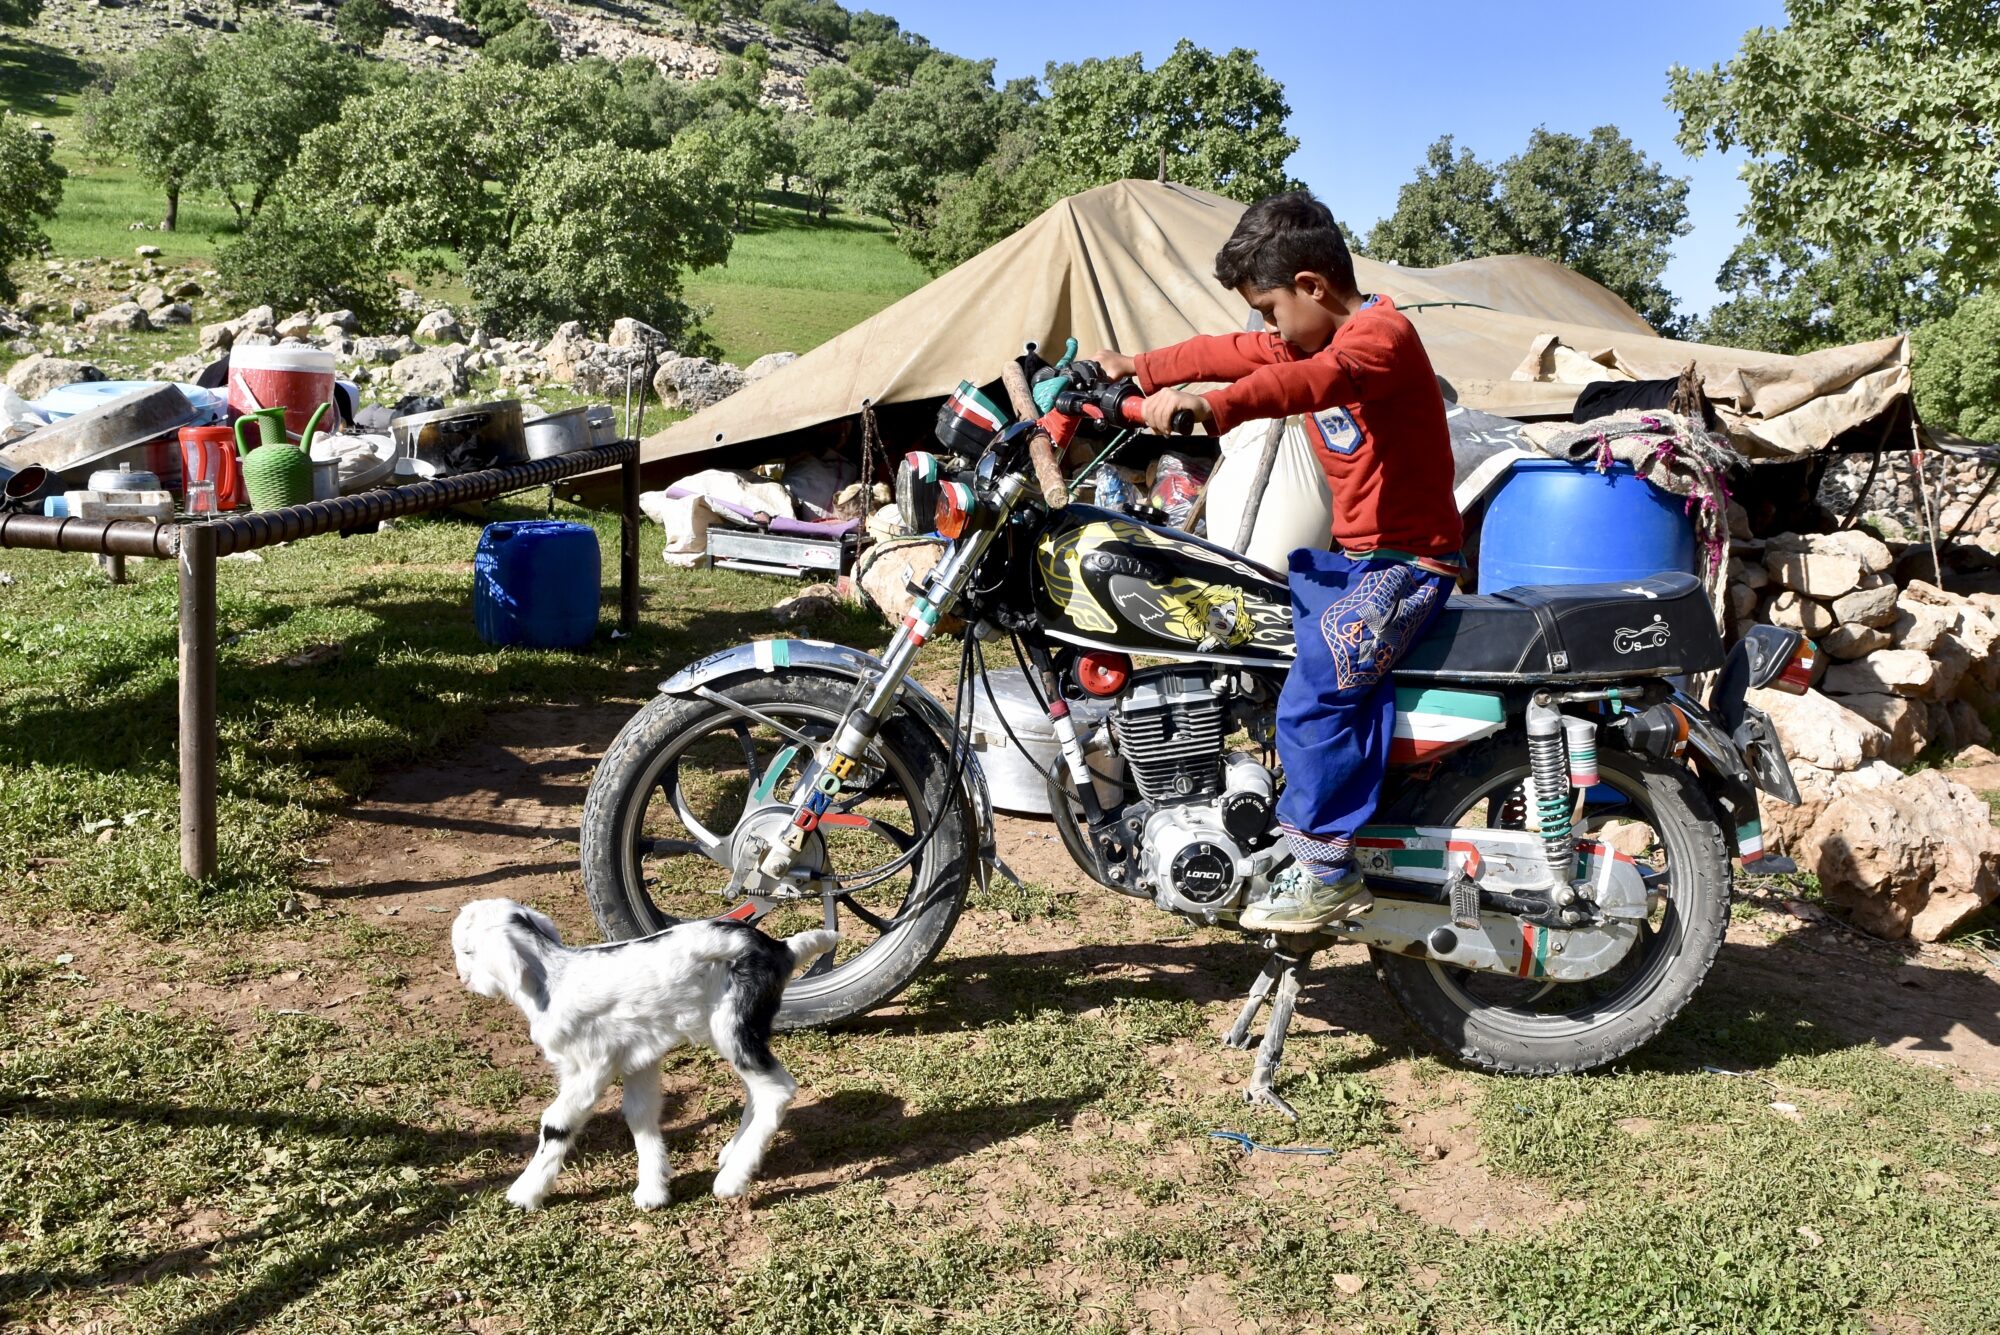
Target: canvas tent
x=1129 y=265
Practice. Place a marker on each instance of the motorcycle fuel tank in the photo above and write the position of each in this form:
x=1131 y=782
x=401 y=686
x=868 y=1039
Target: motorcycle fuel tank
x=1108 y=581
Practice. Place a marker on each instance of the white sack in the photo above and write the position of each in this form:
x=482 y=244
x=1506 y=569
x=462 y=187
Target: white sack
x=1297 y=509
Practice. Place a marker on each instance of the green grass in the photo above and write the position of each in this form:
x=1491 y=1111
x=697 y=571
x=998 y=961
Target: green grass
x=792 y=283
x=87 y=701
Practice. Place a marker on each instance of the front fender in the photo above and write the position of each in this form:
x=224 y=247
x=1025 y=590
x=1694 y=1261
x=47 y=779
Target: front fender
x=840 y=660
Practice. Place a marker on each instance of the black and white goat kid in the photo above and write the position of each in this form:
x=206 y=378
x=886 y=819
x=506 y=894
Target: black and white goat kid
x=611 y=1012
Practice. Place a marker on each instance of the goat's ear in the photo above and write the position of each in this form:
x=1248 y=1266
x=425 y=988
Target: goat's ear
x=531 y=978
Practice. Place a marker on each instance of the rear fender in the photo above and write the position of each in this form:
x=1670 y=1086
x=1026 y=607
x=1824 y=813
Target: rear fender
x=766 y=657
x=1724 y=775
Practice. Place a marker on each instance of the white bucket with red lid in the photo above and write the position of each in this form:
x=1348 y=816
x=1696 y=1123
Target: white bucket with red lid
x=296 y=379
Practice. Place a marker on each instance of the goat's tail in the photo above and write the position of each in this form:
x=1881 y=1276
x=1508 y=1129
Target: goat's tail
x=809 y=946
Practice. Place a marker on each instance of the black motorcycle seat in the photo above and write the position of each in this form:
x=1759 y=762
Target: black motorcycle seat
x=1661 y=626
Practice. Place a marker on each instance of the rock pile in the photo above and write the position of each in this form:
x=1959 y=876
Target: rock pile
x=1907 y=670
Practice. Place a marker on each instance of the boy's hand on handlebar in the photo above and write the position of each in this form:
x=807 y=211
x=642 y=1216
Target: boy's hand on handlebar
x=1161 y=407
x=1116 y=365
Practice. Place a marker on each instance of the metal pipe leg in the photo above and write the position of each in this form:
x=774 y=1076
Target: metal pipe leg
x=628 y=547
x=1239 y=1033
x=1262 y=1080
x=197 y=700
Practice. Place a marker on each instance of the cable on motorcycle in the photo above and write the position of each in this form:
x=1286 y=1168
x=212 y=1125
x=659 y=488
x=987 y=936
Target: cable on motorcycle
x=961 y=728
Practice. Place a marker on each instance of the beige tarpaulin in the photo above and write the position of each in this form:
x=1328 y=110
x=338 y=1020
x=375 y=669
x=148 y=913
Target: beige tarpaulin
x=1130 y=265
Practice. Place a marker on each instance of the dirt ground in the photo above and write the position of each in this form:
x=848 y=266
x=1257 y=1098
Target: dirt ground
x=499 y=818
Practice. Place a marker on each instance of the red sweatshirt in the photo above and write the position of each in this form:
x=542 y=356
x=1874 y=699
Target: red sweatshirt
x=1372 y=410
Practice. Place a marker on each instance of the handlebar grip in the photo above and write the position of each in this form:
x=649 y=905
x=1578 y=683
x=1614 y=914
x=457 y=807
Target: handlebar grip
x=1132 y=409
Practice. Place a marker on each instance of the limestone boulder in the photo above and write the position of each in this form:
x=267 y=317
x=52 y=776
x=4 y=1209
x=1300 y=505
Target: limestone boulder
x=435 y=371
x=384 y=351
x=1920 y=626
x=170 y=313
x=1913 y=858
x=1821 y=731
x=35 y=376
x=151 y=295
x=1870 y=552
x=1874 y=607
x=631 y=333
x=1851 y=641
x=766 y=364
x=218 y=337
x=1892 y=671
x=1794 y=611
x=1905 y=722
x=565 y=349
x=1821 y=575
x=127 y=317
x=694 y=383
x=298 y=325
x=439 y=327
x=346 y=321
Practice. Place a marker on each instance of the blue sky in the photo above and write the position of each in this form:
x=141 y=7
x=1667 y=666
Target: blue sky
x=1371 y=85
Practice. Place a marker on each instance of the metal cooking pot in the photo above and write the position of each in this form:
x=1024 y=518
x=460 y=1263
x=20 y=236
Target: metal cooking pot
x=603 y=424
x=464 y=439
x=559 y=433
x=123 y=478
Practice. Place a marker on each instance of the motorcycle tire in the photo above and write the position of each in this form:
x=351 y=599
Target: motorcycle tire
x=622 y=788
x=1695 y=917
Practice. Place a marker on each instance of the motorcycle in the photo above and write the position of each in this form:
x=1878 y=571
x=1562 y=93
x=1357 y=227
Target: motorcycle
x=1551 y=860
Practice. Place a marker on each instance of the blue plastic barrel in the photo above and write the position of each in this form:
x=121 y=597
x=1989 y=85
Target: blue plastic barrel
x=535 y=583
x=1555 y=522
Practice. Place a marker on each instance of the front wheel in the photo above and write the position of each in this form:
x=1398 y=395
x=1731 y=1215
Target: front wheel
x=669 y=797
x=1648 y=808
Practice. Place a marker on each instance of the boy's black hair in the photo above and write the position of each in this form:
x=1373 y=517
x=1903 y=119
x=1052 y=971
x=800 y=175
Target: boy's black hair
x=1280 y=236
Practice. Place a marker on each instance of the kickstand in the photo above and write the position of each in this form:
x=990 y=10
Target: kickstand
x=1281 y=969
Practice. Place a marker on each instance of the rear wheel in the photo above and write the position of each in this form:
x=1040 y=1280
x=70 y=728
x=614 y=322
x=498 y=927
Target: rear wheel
x=686 y=774
x=1648 y=808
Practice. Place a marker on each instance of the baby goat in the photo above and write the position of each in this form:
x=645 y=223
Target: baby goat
x=609 y=1012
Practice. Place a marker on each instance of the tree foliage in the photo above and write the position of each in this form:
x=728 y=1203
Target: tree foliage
x=1597 y=205
x=550 y=185
x=1450 y=212
x=363 y=23
x=1219 y=121
x=30 y=189
x=1872 y=128
x=1958 y=369
x=159 y=110
x=944 y=123
x=1788 y=297
x=272 y=84
x=531 y=42
x=299 y=255
x=600 y=233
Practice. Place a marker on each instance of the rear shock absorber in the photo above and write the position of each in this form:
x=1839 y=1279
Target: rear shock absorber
x=1548 y=765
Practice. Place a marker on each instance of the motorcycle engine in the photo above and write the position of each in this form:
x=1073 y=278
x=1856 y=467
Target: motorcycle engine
x=1208 y=837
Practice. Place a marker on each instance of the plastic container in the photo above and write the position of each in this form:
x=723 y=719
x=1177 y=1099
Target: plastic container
x=1555 y=522
x=535 y=584
x=208 y=454
x=298 y=380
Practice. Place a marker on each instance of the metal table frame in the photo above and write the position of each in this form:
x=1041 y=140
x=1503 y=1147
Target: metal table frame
x=196 y=547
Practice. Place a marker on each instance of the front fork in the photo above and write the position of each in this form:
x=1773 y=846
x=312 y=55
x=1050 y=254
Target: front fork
x=875 y=698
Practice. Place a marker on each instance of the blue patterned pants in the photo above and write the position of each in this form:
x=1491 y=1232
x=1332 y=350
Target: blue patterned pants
x=1355 y=619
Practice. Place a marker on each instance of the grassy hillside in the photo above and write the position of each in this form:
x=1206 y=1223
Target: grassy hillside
x=790 y=284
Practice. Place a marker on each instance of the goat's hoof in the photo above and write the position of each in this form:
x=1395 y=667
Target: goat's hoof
x=523 y=1199
x=728 y=1185
x=650 y=1198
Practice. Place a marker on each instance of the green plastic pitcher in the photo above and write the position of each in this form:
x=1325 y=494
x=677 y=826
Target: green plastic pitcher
x=277 y=473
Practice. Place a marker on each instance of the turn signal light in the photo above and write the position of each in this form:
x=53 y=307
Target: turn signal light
x=954 y=509
x=1103 y=674
x=1797 y=677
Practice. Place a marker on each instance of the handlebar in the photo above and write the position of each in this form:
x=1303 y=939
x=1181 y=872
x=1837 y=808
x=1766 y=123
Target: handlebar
x=1041 y=449
x=1121 y=401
